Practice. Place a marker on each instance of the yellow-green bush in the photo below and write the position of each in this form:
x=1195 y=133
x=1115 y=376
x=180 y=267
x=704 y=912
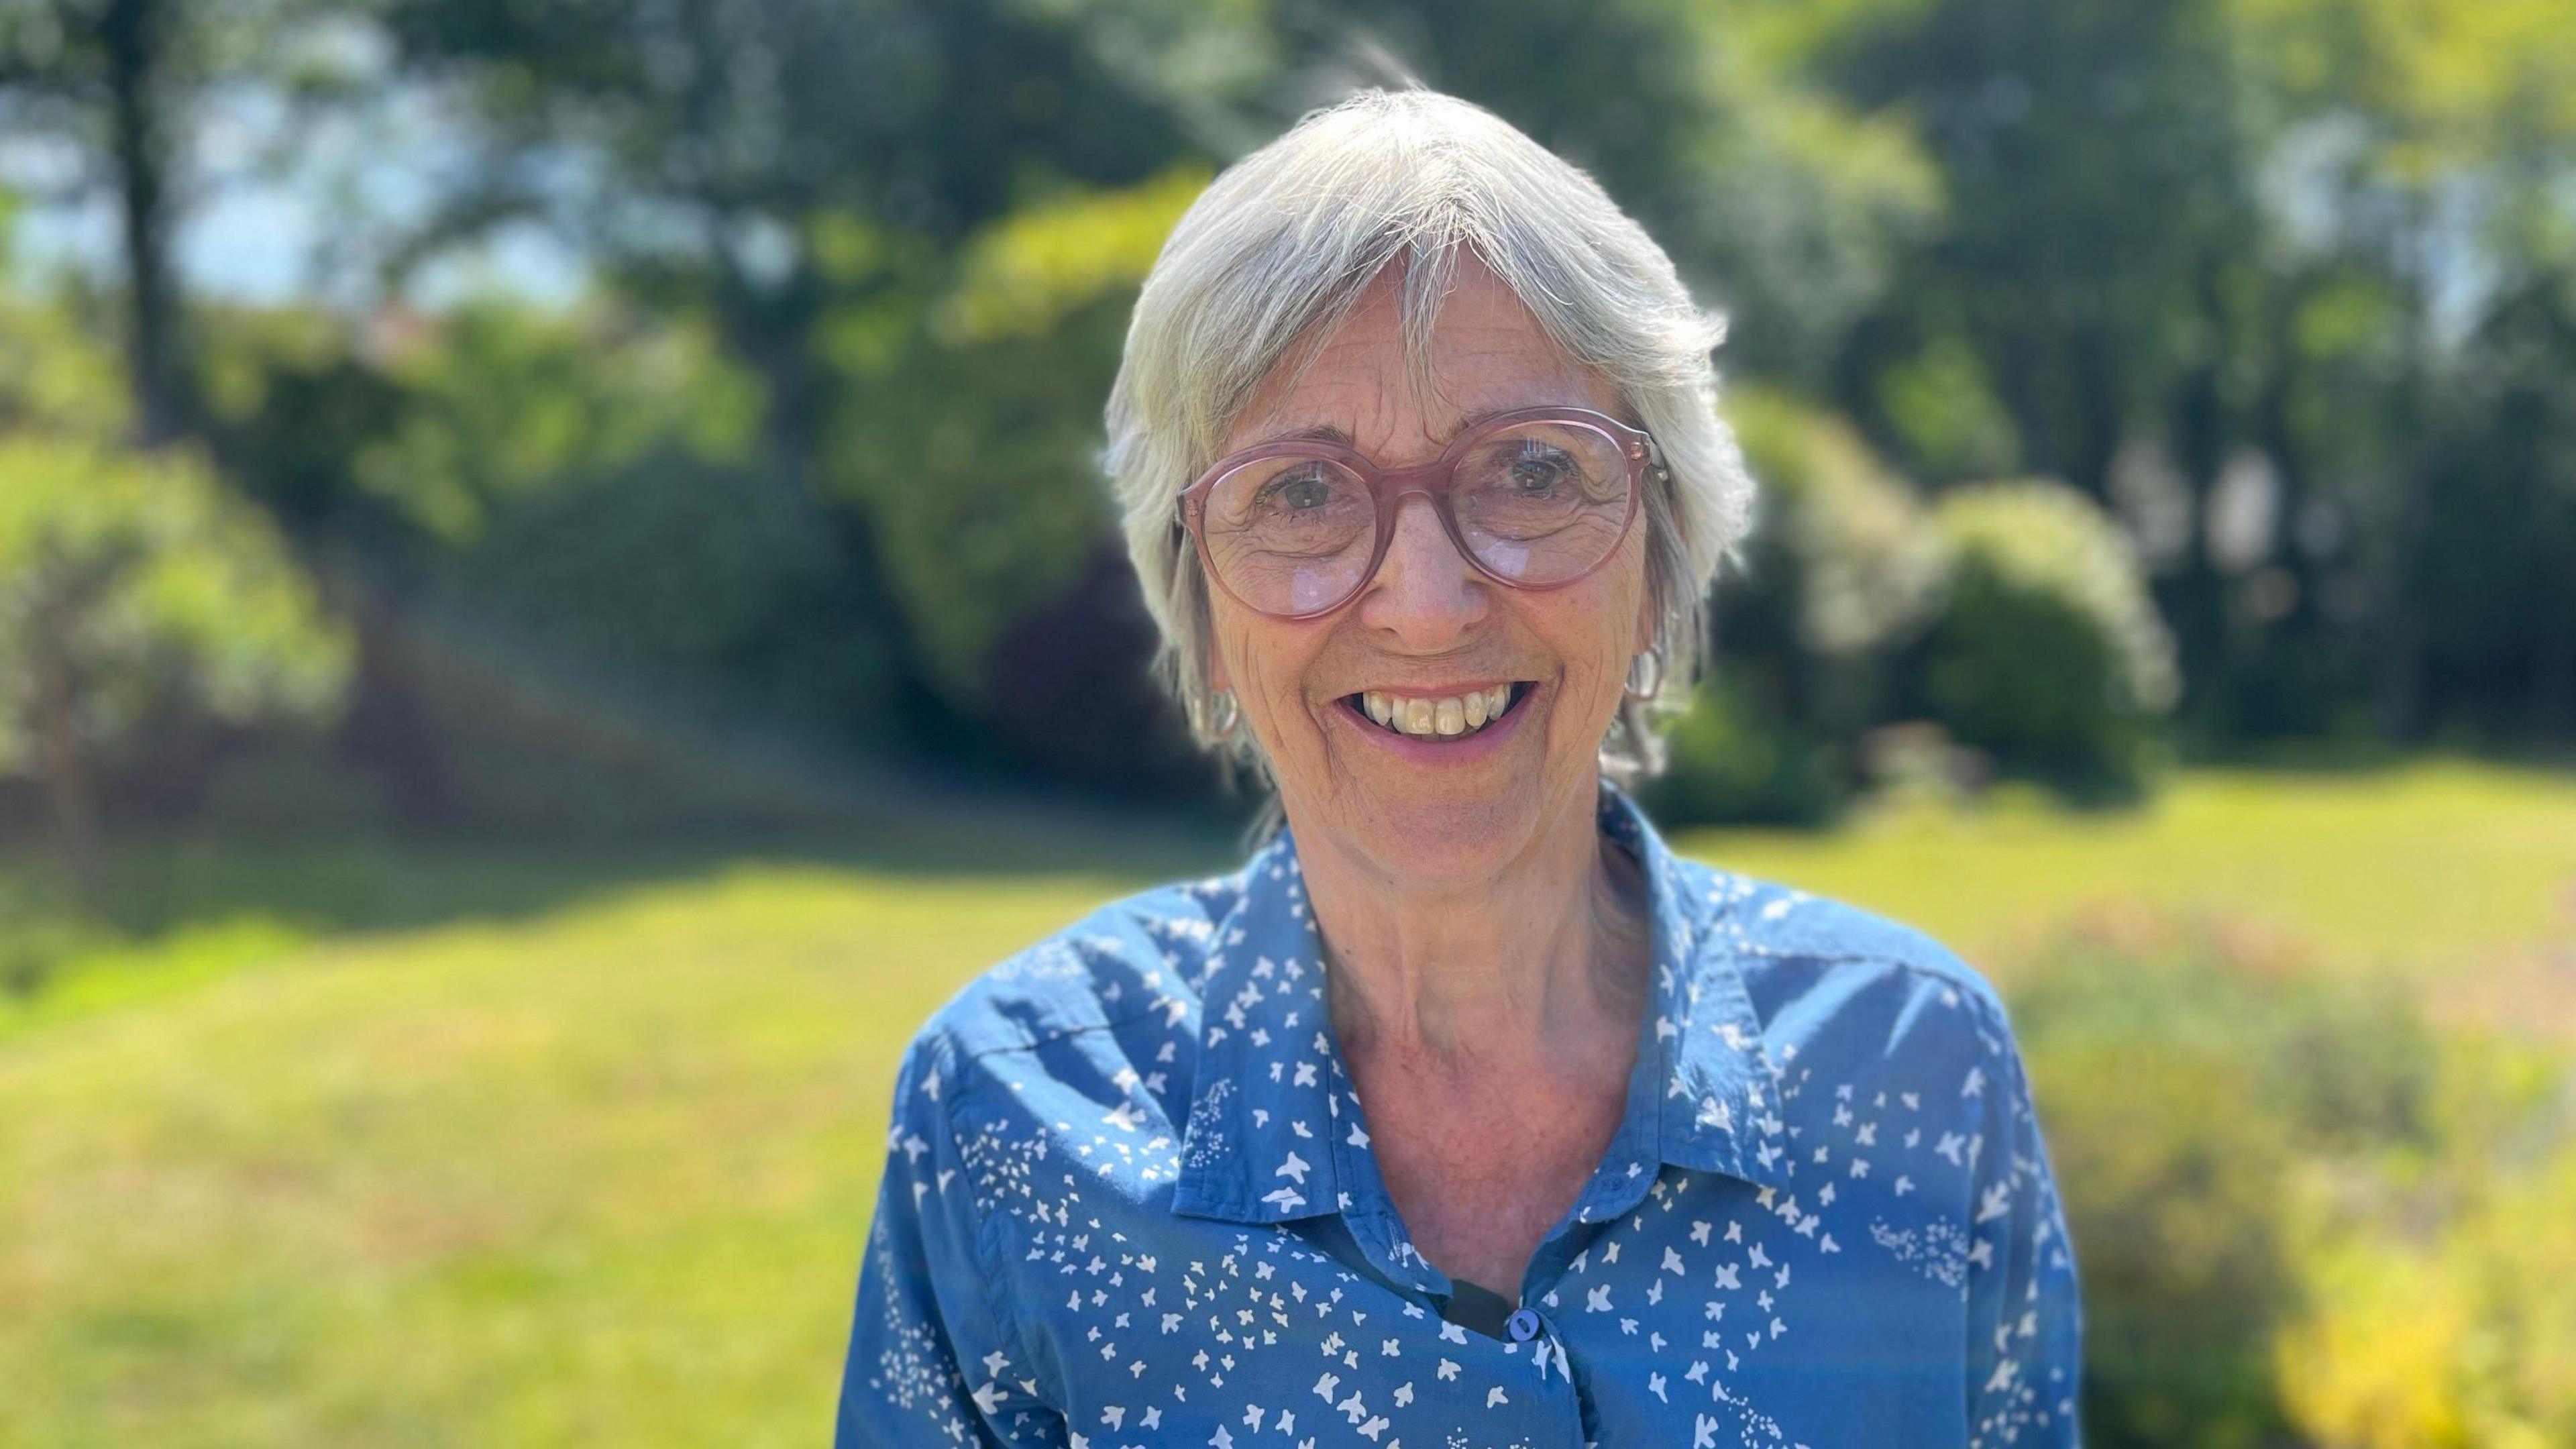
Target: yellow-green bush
x=2436 y=1310
x=2013 y=614
x=138 y=596
x=159 y=590
x=2046 y=649
x=2190 y=1102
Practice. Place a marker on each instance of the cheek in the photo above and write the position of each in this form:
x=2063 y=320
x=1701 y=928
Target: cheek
x=1597 y=627
x=1264 y=663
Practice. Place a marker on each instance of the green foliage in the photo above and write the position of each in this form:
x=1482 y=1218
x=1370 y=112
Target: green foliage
x=1028 y=273
x=1941 y=406
x=972 y=443
x=1841 y=532
x=2490 y=560
x=708 y=579
x=138 y=583
x=1835 y=579
x=54 y=377
x=2445 y=1321
x=504 y=400
x=2046 y=648
x=1729 y=758
x=2016 y=611
x=1801 y=208
x=888 y=243
x=2188 y=1097
x=2298 y=1209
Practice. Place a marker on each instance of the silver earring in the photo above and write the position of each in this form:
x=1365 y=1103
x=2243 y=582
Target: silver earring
x=1651 y=661
x=1228 y=713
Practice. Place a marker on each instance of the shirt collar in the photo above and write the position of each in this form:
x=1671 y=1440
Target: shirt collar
x=1274 y=1129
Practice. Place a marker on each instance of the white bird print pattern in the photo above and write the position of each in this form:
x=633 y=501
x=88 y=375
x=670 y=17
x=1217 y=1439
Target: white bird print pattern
x=1130 y=1200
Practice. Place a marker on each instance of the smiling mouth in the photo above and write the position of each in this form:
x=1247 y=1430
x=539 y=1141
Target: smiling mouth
x=1444 y=717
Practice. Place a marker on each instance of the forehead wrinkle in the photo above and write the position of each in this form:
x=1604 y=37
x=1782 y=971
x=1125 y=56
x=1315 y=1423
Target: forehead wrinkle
x=1293 y=404
x=1380 y=397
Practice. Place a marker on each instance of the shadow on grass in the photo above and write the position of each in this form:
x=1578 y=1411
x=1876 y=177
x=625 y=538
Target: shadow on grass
x=279 y=888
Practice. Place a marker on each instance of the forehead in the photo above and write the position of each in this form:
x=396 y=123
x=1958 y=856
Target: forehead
x=1487 y=355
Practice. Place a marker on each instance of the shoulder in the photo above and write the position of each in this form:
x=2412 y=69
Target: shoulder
x=1766 y=926
x=1138 y=963
x=1845 y=994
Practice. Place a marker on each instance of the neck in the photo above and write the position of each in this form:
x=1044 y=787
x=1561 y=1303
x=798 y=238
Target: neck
x=1546 y=953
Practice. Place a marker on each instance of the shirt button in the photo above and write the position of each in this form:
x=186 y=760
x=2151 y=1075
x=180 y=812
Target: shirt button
x=1522 y=1326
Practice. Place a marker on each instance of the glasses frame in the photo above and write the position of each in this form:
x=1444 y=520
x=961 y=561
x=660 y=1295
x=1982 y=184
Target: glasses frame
x=1433 y=481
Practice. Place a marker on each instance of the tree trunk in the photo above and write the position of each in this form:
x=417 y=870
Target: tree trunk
x=62 y=769
x=133 y=35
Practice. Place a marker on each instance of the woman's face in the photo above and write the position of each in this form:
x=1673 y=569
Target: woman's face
x=1428 y=627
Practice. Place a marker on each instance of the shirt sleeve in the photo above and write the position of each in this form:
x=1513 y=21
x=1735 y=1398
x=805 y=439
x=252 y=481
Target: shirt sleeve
x=932 y=1359
x=2025 y=1316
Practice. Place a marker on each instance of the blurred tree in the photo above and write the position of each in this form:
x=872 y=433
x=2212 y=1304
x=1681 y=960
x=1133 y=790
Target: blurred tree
x=119 y=87
x=1776 y=199
x=971 y=433
x=2488 y=564
x=2222 y=263
x=2095 y=177
x=2096 y=277
x=1734 y=757
x=720 y=152
x=711 y=582
x=54 y=377
x=133 y=589
x=2414 y=159
x=814 y=180
x=1837 y=580
x=504 y=401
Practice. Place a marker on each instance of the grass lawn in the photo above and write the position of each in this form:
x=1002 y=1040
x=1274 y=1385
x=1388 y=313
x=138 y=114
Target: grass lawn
x=2460 y=877
x=379 y=1145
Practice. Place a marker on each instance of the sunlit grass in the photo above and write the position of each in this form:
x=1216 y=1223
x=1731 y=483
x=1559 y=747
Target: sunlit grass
x=594 y=1165
x=598 y=1178
x=2461 y=877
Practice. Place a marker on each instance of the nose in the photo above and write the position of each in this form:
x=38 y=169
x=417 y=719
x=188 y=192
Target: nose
x=1426 y=596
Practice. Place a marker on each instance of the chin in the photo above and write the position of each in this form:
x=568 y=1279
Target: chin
x=1432 y=811
x=1435 y=836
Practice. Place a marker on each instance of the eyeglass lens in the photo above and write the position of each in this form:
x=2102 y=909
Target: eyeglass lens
x=1537 y=503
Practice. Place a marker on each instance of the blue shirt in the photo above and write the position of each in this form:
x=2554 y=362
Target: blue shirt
x=1129 y=1199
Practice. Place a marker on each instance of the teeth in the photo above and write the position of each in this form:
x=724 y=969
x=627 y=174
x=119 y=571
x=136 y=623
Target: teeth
x=1455 y=715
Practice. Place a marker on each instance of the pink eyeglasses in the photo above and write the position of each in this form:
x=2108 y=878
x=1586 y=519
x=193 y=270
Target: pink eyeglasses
x=1535 y=498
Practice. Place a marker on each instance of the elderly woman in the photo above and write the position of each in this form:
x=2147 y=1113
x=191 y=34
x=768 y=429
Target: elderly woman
x=1465 y=1113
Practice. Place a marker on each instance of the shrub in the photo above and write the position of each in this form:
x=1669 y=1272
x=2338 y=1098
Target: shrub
x=2045 y=648
x=2437 y=1310
x=1729 y=759
x=2192 y=1105
x=1834 y=578
x=134 y=593
x=704 y=580
x=1842 y=535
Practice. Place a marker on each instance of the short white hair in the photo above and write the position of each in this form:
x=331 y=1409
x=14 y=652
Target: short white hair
x=1282 y=245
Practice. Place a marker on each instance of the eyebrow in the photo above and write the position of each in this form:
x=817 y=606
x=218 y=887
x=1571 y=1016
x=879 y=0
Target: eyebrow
x=1330 y=433
x=1319 y=433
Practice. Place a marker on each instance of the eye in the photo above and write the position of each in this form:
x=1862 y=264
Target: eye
x=1298 y=489
x=1536 y=469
